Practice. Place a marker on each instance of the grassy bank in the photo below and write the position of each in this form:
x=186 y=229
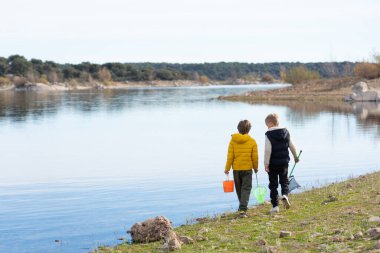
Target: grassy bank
x=328 y=219
x=323 y=90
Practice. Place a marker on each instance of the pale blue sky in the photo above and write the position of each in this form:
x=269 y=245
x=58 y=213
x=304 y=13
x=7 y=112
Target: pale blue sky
x=190 y=31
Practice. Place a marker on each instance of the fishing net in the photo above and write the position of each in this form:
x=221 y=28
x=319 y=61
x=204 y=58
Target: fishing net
x=260 y=192
x=293 y=184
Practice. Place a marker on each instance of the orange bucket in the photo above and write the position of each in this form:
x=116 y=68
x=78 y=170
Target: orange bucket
x=228 y=185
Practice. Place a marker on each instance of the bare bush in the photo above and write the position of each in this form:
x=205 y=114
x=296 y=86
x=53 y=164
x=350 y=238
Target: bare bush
x=367 y=70
x=73 y=83
x=104 y=75
x=85 y=77
x=53 y=77
x=203 y=79
x=268 y=78
x=32 y=76
x=195 y=76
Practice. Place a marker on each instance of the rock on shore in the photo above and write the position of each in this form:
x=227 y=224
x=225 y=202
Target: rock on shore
x=151 y=230
x=361 y=92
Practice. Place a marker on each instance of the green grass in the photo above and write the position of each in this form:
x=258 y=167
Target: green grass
x=337 y=222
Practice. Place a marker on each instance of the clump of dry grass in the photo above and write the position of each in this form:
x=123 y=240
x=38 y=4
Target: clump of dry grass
x=4 y=81
x=367 y=70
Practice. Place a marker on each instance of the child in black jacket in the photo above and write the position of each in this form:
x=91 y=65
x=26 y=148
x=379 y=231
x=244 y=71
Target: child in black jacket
x=276 y=160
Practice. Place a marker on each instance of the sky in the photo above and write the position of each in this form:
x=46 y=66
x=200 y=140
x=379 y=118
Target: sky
x=184 y=31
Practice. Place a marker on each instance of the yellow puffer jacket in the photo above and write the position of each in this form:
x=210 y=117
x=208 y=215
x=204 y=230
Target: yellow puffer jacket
x=242 y=153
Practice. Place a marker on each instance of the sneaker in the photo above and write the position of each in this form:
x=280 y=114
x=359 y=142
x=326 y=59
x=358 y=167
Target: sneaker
x=243 y=214
x=286 y=202
x=275 y=209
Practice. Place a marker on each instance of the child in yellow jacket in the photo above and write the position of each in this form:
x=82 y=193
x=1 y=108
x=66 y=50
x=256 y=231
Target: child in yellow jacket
x=243 y=157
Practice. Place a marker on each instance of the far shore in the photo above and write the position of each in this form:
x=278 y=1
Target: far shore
x=323 y=90
x=120 y=85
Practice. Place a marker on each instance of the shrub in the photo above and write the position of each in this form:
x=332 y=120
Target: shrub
x=18 y=65
x=43 y=79
x=104 y=75
x=3 y=66
x=299 y=74
x=32 y=76
x=367 y=70
x=165 y=74
x=250 y=77
x=53 y=77
x=203 y=79
x=4 y=80
x=19 y=81
x=268 y=78
x=85 y=77
x=73 y=83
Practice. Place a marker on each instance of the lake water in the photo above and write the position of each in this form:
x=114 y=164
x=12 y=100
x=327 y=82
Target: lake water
x=82 y=167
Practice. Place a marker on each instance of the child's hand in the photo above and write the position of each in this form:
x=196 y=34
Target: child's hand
x=296 y=159
x=226 y=172
x=256 y=170
x=267 y=168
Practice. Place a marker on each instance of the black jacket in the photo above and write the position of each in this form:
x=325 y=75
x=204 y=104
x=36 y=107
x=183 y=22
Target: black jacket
x=279 y=139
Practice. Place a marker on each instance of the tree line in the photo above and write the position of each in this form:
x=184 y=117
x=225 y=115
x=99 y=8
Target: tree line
x=35 y=70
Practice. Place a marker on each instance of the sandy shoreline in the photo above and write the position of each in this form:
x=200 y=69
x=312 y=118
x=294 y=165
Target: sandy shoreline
x=115 y=85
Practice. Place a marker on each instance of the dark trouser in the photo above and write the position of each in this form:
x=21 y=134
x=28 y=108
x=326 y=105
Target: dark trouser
x=243 y=186
x=274 y=174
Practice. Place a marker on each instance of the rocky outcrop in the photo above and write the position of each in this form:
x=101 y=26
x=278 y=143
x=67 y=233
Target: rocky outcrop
x=151 y=230
x=361 y=92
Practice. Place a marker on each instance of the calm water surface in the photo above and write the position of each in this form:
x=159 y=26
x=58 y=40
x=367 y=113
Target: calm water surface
x=82 y=167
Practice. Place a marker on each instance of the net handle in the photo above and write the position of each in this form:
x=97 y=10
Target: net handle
x=298 y=157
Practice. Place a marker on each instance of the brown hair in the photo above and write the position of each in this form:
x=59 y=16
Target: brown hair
x=244 y=126
x=272 y=118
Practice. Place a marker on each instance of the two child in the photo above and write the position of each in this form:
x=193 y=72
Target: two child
x=242 y=156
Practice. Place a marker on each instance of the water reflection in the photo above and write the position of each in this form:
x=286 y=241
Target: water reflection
x=367 y=114
x=21 y=106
